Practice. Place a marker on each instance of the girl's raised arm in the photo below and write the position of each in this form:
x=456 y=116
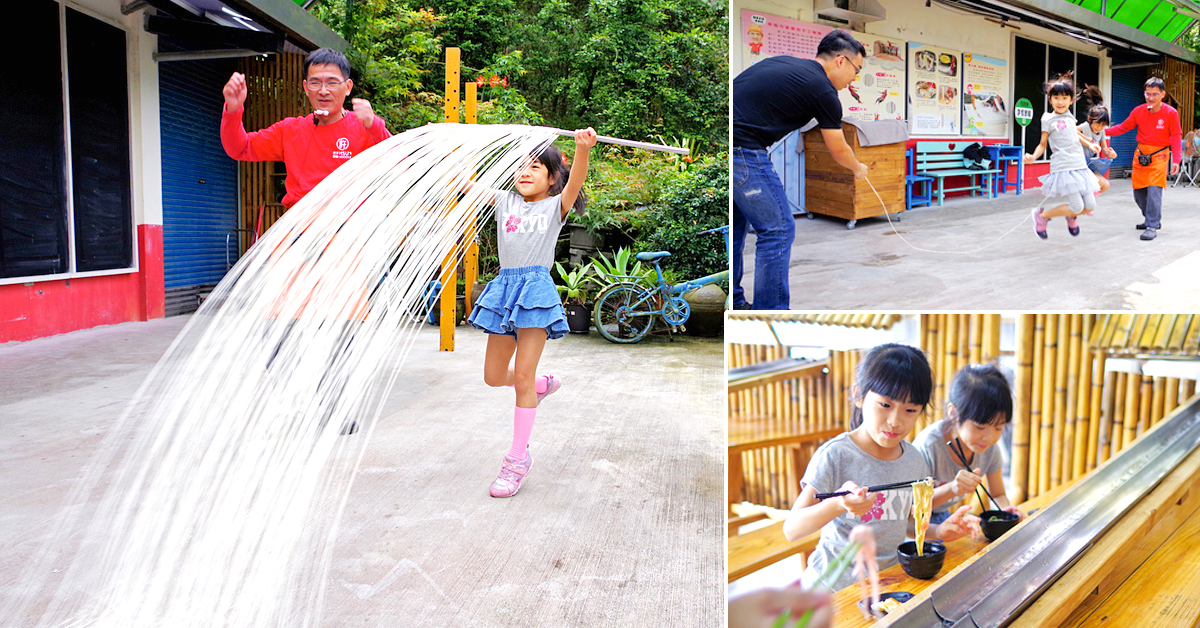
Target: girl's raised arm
x=1037 y=152
x=585 y=139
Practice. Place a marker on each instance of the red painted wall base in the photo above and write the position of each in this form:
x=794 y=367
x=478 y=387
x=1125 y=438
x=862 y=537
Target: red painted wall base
x=36 y=309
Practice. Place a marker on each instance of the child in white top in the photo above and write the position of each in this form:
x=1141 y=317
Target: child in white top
x=1070 y=184
x=520 y=309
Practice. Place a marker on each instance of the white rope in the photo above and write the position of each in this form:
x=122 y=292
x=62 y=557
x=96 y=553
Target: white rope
x=976 y=250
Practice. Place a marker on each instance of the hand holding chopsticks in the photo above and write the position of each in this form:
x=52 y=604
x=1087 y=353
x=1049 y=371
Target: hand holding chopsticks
x=956 y=448
x=874 y=489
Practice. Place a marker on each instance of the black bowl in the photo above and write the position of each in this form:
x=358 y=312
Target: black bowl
x=1004 y=521
x=923 y=567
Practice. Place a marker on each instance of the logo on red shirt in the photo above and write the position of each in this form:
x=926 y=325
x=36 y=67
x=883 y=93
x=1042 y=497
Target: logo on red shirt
x=343 y=143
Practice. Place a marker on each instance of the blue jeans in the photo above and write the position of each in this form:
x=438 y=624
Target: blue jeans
x=760 y=201
x=1099 y=166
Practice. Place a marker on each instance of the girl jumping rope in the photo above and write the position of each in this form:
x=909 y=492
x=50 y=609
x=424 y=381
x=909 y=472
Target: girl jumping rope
x=1093 y=131
x=980 y=405
x=892 y=386
x=520 y=309
x=1070 y=184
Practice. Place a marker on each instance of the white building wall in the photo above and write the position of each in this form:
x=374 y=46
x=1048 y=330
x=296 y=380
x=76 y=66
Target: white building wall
x=911 y=20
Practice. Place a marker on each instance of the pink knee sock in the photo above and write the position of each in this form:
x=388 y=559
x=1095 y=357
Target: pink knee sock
x=522 y=429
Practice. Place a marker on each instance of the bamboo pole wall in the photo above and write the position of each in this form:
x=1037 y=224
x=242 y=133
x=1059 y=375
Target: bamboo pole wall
x=1071 y=413
x=276 y=91
x=950 y=342
x=1180 y=78
x=803 y=411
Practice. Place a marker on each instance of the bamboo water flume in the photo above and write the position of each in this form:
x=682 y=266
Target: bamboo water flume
x=631 y=143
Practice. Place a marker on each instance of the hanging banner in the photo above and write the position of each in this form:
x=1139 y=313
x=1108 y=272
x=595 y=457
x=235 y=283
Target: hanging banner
x=765 y=35
x=877 y=93
x=934 y=84
x=985 y=82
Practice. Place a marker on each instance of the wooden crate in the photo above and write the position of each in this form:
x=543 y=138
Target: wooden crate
x=832 y=190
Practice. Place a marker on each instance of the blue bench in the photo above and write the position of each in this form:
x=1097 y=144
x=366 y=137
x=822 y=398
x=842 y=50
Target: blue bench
x=944 y=159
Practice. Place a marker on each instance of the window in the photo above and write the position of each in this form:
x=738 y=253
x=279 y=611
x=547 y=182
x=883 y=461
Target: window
x=1034 y=63
x=65 y=192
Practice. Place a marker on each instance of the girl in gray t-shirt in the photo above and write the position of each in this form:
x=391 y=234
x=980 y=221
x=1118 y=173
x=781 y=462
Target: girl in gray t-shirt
x=1070 y=187
x=892 y=386
x=520 y=308
x=980 y=405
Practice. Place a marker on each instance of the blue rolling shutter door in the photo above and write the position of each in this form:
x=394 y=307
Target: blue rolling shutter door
x=1126 y=94
x=200 y=204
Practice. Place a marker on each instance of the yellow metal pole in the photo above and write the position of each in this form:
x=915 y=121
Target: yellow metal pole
x=471 y=259
x=449 y=300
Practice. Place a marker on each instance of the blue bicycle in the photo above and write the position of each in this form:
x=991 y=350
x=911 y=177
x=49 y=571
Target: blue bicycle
x=625 y=310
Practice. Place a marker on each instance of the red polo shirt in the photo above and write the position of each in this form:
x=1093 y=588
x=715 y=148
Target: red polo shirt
x=1160 y=128
x=309 y=151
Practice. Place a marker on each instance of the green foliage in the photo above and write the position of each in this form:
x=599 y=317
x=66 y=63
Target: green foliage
x=696 y=200
x=391 y=49
x=575 y=283
x=503 y=104
x=619 y=269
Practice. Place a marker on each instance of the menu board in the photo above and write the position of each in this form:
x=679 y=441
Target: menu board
x=985 y=83
x=765 y=35
x=934 y=84
x=877 y=93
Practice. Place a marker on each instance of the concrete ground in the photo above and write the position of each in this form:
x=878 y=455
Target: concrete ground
x=620 y=524
x=1105 y=268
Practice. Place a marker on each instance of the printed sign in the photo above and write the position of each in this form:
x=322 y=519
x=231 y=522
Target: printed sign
x=1024 y=112
x=765 y=35
x=877 y=93
x=985 y=84
x=934 y=90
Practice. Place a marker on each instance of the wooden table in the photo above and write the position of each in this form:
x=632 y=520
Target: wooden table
x=756 y=549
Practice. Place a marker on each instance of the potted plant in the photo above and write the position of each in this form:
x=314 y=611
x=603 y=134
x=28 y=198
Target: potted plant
x=619 y=270
x=573 y=289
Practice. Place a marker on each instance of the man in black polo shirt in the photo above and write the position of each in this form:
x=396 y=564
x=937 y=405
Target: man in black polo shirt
x=771 y=99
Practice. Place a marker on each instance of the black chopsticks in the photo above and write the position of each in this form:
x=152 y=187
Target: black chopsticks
x=874 y=489
x=956 y=447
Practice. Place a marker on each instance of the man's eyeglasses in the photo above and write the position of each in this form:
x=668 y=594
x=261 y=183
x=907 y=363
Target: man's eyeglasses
x=857 y=69
x=1153 y=94
x=316 y=86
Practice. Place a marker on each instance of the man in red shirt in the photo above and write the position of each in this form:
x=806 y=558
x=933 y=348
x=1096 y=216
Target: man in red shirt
x=311 y=146
x=1158 y=129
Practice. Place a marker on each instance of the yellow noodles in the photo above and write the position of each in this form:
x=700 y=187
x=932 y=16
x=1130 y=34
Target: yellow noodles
x=922 y=507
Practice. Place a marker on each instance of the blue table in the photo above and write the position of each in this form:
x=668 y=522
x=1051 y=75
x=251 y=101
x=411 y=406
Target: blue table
x=1002 y=153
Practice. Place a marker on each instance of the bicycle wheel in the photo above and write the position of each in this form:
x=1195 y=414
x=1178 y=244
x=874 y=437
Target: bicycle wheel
x=623 y=314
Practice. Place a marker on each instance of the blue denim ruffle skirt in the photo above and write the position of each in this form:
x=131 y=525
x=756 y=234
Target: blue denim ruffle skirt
x=520 y=298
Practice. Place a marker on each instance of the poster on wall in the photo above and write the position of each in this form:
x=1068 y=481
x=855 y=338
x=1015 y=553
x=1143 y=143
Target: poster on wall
x=985 y=84
x=765 y=35
x=934 y=84
x=877 y=93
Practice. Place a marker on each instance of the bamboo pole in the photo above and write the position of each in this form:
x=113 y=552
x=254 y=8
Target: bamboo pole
x=1046 y=429
x=993 y=336
x=1110 y=430
x=1021 y=415
x=1158 y=389
x=1058 y=428
x=1145 y=403
x=1171 y=395
x=1070 y=387
x=1132 y=385
x=1035 y=416
x=1097 y=405
x=1083 y=403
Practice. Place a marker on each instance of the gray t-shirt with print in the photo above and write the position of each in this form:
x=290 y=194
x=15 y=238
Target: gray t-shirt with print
x=527 y=232
x=1064 y=141
x=839 y=460
x=1086 y=129
x=932 y=442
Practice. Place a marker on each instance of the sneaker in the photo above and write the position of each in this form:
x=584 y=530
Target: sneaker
x=1149 y=234
x=553 y=383
x=1140 y=226
x=1039 y=223
x=1072 y=225
x=511 y=474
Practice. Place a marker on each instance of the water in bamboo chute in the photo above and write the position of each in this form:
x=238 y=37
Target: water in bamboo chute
x=215 y=499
